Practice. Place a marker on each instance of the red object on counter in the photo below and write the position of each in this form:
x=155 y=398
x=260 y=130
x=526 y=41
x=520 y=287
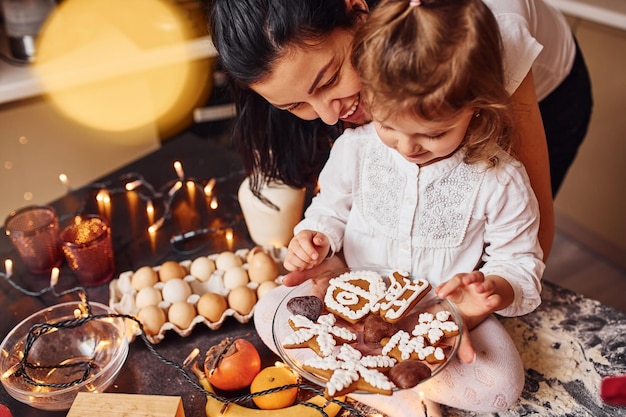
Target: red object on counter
x=613 y=390
x=4 y=411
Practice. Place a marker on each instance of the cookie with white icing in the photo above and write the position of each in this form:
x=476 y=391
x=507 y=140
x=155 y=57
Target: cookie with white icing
x=322 y=336
x=435 y=327
x=400 y=297
x=352 y=295
x=351 y=371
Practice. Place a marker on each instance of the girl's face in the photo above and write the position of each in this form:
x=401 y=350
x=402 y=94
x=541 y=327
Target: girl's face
x=317 y=82
x=420 y=141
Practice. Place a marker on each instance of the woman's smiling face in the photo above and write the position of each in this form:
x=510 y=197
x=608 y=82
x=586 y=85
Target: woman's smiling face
x=317 y=82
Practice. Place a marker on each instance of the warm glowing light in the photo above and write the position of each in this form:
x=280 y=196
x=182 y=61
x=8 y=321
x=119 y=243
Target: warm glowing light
x=178 y=167
x=150 y=211
x=119 y=65
x=54 y=276
x=28 y=196
x=177 y=186
x=194 y=353
x=208 y=188
x=213 y=203
x=156 y=226
x=229 y=237
x=130 y=186
x=64 y=180
x=8 y=267
x=104 y=202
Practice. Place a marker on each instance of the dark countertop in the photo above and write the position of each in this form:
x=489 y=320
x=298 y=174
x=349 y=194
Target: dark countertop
x=143 y=372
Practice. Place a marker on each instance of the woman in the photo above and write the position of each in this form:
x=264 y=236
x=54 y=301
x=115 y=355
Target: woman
x=288 y=116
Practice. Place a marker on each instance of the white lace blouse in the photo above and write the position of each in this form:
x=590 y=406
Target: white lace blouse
x=435 y=221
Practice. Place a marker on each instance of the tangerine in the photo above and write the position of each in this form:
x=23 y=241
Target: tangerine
x=274 y=377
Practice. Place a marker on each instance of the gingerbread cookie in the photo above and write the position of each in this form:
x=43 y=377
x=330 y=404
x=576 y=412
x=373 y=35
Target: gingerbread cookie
x=350 y=371
x=401 y=296
x=352 y=295
x=321 y=336
x=435 y=327
x=403 y=347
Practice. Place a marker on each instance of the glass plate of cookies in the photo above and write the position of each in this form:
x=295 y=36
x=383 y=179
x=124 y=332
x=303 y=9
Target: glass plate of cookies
x=365 y=331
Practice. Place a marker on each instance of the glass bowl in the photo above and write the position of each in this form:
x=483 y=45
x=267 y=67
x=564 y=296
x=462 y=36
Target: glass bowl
x=92 y=353
x=295 y=357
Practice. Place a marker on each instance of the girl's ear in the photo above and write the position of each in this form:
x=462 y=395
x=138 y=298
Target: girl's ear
x=357 y=5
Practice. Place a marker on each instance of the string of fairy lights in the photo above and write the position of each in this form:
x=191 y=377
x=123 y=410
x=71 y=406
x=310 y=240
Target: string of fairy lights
x=134 y=182
x=83 y=314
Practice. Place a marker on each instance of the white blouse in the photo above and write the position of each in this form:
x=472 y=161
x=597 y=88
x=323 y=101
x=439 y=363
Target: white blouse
x=434 y=221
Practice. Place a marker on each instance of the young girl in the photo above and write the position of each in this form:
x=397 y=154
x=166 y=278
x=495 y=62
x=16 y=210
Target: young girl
x=430 y=187
x=259 y=42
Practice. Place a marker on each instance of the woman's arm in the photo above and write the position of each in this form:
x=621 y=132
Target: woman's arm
x=532 y=150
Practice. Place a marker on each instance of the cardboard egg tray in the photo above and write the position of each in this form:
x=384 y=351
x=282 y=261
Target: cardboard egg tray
x=122 y=295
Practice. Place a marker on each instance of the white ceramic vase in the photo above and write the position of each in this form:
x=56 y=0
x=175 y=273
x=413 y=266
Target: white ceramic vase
x=266 y=225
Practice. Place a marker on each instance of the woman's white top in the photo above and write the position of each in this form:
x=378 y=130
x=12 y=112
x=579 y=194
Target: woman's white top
x=535 y=35
x=435 y=221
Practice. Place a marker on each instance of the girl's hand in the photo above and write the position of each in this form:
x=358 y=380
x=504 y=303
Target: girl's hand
x=330 y=267
x=476 y=297
x=306 y=250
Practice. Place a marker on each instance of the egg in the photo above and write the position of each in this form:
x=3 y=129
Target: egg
x=202 y=268
x=181 y=313
x=264 y=287
x=242 y=299
x=253 y=252
x=227 y=259
x=152 y=318
x=144 y=277
x=171 y=270
x=262 y=267
x=211 y=306
x=148 y=296
x=176 y=290
x=235 y=276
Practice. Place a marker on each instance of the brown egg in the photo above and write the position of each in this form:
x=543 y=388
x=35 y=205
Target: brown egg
x=242 y=299
x=211 y=306
x=202 y=268
x=262 y=267
x=181 y=313
x=171 y=270
x=152 y=318
x=235 y=276
x=253 y=252
x=144 y=277
x=264 y=287
x=227 y=259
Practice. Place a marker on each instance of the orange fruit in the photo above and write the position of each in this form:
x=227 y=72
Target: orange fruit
x=273 y=377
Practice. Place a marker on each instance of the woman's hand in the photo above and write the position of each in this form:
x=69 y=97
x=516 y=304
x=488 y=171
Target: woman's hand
x=306 y=250
x=476 y=297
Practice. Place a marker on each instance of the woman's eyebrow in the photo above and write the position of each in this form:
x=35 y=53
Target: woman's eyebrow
x=320 y=75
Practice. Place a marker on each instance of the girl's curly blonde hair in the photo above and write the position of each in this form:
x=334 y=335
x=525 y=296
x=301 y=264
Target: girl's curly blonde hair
x=435 y=60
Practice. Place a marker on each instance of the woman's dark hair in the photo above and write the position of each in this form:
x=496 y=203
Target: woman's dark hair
x=250 y=37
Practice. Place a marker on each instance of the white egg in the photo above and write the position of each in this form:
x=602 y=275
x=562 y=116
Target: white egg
x=176 y=290
x=202 y=268
x=227 y=259
x=235 y=276
x=148 y=296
